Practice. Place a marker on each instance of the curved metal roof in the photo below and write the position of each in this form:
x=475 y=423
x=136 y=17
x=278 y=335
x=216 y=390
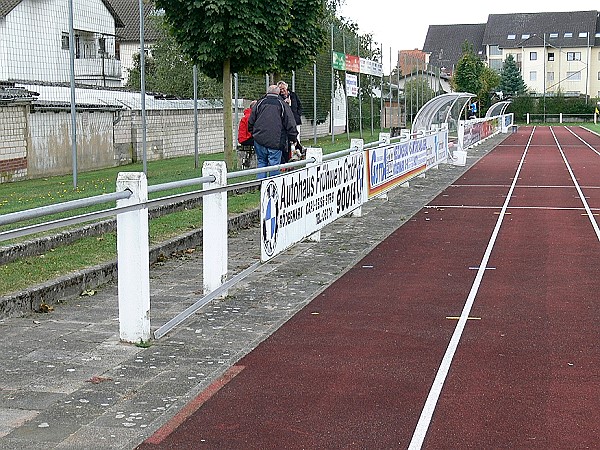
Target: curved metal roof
x=445 y=108
x=497 y=109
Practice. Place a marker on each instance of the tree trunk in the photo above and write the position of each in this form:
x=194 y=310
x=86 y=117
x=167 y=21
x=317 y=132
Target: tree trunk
x=230 y=156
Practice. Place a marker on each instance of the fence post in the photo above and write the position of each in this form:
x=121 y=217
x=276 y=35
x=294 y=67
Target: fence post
x=214 y=228
x=386 y=138
x=527 y=118
x=133 y=260
x=359 y=146
x=560 y=115
x=316 y=153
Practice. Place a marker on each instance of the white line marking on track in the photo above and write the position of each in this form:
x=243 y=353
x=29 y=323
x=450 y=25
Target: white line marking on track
x=550 y=208
x=579 y=191
x=436 y=388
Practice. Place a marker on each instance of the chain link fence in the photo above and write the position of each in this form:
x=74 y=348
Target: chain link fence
x=80 y=100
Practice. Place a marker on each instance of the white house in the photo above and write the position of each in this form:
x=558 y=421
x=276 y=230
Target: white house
x=555 y=51
x=34 y=41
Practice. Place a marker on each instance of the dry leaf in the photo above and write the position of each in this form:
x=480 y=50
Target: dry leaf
x=98 y=380
x=45 y=308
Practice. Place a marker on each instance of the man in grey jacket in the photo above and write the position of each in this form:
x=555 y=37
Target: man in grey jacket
x=273 y=127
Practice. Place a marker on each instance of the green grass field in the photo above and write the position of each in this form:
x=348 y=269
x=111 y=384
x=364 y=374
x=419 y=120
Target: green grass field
x=22 y=195
x=28 y=194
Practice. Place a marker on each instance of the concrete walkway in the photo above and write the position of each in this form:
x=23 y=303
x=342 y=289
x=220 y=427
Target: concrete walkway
x=68 y=383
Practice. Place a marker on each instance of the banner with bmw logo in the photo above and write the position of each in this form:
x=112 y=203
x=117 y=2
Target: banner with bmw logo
x=296 y=205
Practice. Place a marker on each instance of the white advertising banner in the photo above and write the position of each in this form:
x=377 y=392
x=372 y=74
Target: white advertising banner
x=351 y=85
x=370 y=67
x=395 y=164
x=298 y=204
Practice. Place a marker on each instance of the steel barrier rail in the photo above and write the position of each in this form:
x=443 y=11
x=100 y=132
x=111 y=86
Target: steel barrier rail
x=19 y=216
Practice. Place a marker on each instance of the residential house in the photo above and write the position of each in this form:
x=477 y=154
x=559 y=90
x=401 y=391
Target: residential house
x=555 y=51
x=34 y=42
x=128 y=37
x=444 y=44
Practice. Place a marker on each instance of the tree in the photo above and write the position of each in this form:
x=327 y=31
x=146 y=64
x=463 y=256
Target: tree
x=489 y=84
x=469 y=69
x=170 y=71
x=511 y=81
x=227 y=36
x=417 y=92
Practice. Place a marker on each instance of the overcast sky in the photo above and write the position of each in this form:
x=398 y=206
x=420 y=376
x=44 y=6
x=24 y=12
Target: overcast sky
x=402 y=25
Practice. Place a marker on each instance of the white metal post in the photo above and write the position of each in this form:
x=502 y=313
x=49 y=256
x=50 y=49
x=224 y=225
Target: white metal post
x=133 y=261
x=317 y=154
x=359 y=146
x=386 y=138
x=214 y=228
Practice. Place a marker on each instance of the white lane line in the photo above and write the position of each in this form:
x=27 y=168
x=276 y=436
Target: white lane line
x=436 y=388
x=582 y=140
x=550 y=208
x=579 y=191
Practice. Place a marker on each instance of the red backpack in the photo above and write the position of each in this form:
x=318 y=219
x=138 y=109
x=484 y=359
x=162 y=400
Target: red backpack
x=244 y=136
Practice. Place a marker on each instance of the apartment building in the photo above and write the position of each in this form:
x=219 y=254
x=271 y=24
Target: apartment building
x=555 y=51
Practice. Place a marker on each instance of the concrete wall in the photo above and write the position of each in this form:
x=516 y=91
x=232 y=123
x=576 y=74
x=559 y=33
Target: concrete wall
x=37 y=144
x=50 y=150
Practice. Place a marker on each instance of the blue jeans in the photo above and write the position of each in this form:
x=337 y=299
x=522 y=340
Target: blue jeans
x=266 y=157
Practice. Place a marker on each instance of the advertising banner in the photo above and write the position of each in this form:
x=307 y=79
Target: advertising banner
x=339 y=61
x=351 y=85
x=474 y=131
x=297 y=205
x=370 y=67
x=395 y=164
x=352 y=63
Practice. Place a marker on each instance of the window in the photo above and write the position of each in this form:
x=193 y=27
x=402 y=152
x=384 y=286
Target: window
x=496 y=64
x=495 y=50
x=599 y=75
x=64 y=42
x=525 y=36
x=533 y=75
x=568 y=35
x=532 y=56
x=574 y=76
x=583 y=34
x=551 y=56
x=550 y=76
x=553 y=35
x=102 y=46
x=573 y=56
x=511 y=37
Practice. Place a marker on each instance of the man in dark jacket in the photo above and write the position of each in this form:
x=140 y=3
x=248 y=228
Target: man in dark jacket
x=293 y=100
x=272 y=126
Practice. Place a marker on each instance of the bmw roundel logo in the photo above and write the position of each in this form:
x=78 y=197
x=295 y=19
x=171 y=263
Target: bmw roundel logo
x=270 y=212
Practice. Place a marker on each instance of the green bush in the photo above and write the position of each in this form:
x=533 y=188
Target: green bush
x=554 y=105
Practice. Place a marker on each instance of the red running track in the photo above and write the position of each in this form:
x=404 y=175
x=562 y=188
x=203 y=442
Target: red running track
x=474 y=326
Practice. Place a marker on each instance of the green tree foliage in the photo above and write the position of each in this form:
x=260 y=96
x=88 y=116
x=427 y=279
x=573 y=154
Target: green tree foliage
x=169 y=71
x=511 y=81
x=468 y=73
x=490 y=81
x=227 y=36
x=417 y=91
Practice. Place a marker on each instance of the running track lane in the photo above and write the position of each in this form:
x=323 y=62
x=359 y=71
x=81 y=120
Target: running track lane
x=353 y=369
x=526 y=374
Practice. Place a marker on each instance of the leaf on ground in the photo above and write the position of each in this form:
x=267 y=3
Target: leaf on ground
x=98 y=380
x=88 y=293
x=45 y=308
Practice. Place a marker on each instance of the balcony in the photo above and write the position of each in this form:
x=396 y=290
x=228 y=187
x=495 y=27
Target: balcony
x=98 y=71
